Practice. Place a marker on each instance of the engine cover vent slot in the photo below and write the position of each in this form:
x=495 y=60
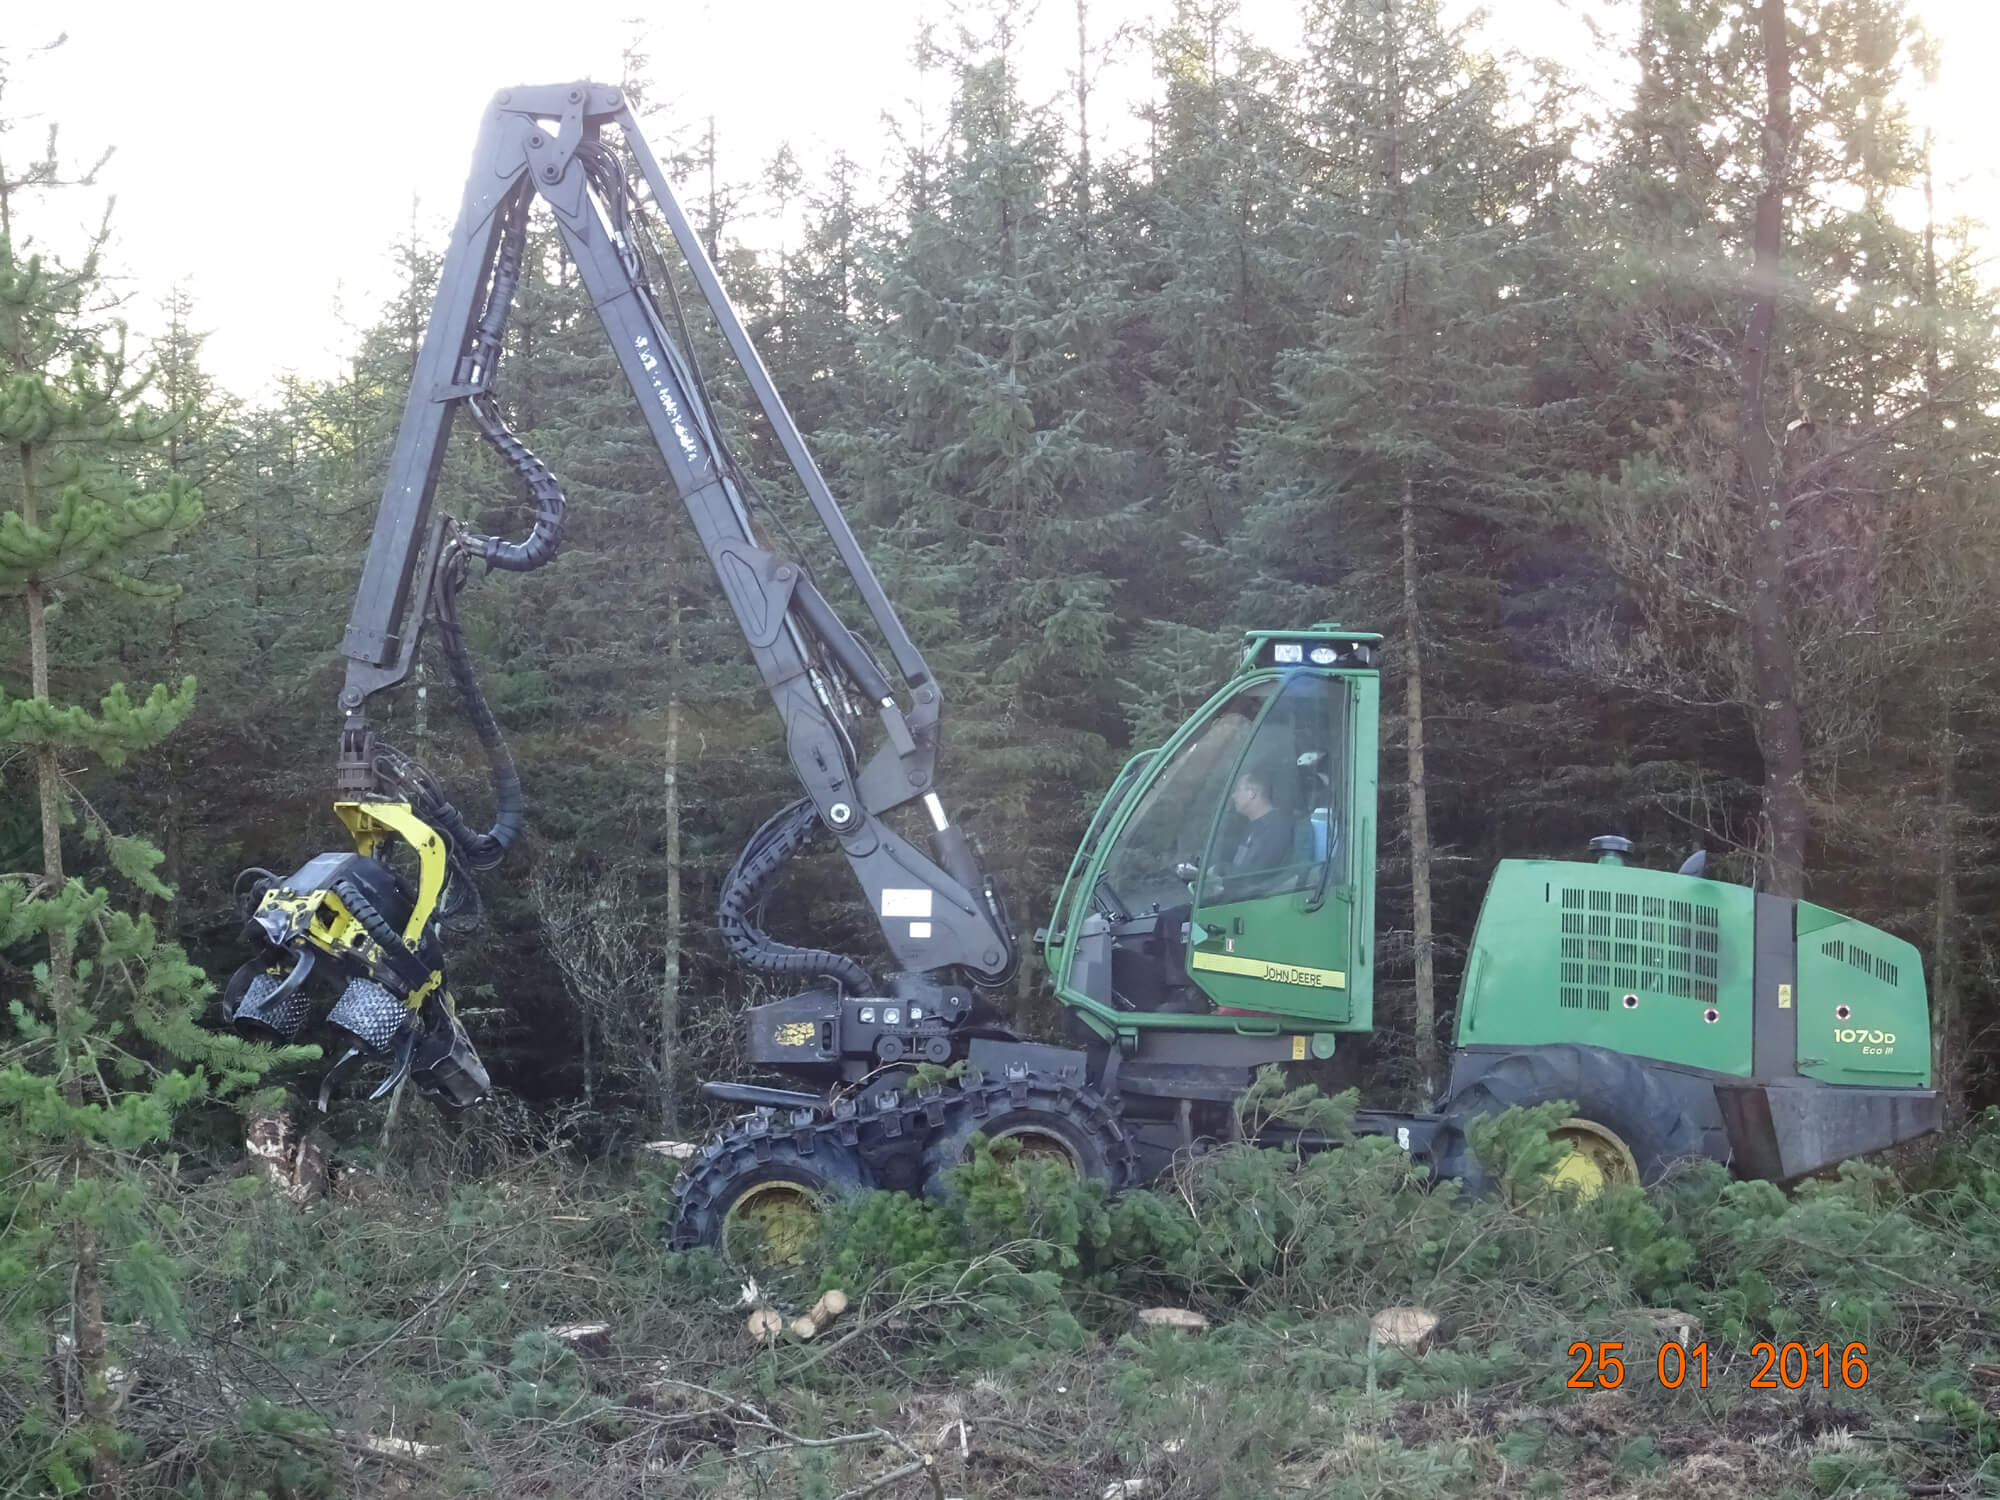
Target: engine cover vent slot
x=1860 y=958
x=1616 y=943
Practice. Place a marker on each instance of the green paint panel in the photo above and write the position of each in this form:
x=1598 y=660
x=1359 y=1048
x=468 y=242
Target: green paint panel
x=1862 y=1013
x=1646 y=962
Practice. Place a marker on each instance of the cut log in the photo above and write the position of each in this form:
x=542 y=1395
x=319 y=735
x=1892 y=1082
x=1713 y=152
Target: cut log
x=822 y=1312
x=311 y=1178
x=1413 y=1328
x=390 y=1447
x=296 y=1163
x=674 y=1150
x=1671 y=1323
x=586 y=1338
x=1184 y=1318
x=765 y=1324
x=268 y=1139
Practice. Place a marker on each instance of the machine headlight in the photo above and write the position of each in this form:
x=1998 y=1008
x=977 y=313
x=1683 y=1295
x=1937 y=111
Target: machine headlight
x=1324 y=656
x=1288 y=653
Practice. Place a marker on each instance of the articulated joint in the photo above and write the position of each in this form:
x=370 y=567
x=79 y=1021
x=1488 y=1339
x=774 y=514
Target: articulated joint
x=354 y=767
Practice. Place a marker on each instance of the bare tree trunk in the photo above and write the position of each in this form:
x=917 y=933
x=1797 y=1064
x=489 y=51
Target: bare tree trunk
x=86 y=1294
x=1947 y=1022
x=1424 y=976
x=712 y=229
x=1947 y=1042
x=1425 y=981
x=1774 y=659
x=670 y=975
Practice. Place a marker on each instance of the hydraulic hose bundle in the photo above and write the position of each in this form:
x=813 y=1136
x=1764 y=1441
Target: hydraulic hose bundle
x=539 y=546
x=474 y=849
x=770 y=846
x=481 y=851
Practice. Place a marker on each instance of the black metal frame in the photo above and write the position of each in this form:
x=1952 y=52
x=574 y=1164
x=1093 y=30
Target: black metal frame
x=530 y=141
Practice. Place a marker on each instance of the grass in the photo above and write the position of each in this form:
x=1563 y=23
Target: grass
x=395 y=1339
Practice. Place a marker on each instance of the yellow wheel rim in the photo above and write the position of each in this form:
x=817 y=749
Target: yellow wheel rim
x=771 y=1224
x=1598 y=1158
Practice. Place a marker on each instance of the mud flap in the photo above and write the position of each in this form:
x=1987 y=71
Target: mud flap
x=1782 y=1132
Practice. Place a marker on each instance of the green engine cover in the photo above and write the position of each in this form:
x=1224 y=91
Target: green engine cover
x=1663 y=966
x=1642 y=961
x=1862 y=1013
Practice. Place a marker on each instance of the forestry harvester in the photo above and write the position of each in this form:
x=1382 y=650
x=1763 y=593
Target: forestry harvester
x=1218 y=916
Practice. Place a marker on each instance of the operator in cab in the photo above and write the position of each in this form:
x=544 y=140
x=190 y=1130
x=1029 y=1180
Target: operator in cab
x=1263 y=840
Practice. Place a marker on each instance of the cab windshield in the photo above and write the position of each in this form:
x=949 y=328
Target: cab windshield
x=1170 y=824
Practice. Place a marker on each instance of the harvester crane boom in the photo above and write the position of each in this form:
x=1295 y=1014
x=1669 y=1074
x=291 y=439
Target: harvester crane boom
x=941 y=916
x=550 y=143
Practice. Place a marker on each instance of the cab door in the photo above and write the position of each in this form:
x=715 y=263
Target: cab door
x=1274 y=897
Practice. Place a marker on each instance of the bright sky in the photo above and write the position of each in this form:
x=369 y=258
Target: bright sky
x=268 y=155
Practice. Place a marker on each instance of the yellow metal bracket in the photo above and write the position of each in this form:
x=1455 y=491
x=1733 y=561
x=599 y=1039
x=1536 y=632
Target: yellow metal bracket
x=372 y=822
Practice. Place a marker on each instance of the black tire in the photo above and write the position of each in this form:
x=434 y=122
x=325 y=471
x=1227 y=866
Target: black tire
x=750 y=1156
x=1078 y=1122
x=1610 y=1089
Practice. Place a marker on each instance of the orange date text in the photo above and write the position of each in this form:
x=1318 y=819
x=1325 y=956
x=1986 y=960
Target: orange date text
x=1603 y=1366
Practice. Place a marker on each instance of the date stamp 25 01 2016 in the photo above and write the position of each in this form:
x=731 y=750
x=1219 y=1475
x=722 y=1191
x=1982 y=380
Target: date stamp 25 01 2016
x=1780 y=1367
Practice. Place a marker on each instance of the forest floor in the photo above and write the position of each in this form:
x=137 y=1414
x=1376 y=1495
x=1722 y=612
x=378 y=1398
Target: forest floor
x=413 y=1332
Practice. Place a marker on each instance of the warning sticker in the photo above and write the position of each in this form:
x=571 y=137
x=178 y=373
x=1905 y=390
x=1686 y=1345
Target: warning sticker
x=899 y=901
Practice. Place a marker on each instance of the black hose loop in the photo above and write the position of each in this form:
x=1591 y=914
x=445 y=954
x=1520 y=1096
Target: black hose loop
x=544 y=489
x=480 y=851
x=372 y=921
x=769 y=847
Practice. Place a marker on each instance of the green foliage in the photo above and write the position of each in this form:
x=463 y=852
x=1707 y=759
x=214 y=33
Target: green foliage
x=442 y=1306
x=1014 y=1213
x=1269 y=1102
x=1514 y=1146
x=104 y=1044
x=1092 y=418
x=888 y=1239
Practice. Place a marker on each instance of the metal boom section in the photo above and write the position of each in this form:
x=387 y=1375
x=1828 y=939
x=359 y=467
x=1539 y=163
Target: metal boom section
x=547 y=143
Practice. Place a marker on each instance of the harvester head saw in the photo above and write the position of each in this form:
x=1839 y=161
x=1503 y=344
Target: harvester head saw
x=352 y=918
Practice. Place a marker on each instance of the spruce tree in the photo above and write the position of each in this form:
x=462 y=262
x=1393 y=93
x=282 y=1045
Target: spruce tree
x=989 y=476
x=1393 y=472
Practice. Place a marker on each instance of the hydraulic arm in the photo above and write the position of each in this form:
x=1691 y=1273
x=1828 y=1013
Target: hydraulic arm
x=577 y=149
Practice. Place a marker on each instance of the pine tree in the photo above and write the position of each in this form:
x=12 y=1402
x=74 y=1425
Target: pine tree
x=106 y=1042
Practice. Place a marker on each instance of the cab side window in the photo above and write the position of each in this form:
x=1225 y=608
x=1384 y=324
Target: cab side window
x=1280 y=830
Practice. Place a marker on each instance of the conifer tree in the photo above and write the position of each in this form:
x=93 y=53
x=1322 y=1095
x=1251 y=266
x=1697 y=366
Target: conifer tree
x=1759 y=506
x=990 y=470
x=102 y=1042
